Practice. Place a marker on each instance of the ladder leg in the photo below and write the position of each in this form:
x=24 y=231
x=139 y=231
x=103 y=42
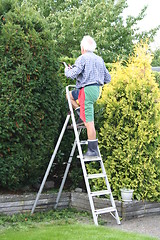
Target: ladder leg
x=111 y=196
x=66 y=172
x=117 y=217
x=50 y=163
x=95 y=217
x=95 y=212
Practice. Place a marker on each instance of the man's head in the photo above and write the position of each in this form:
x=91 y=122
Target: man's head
x=88 y=44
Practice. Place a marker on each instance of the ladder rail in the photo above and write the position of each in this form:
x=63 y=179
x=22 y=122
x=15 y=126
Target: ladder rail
x=110 y=195
x=73 y=120
x=66 y=171
x=81 y=156
x=50 y=163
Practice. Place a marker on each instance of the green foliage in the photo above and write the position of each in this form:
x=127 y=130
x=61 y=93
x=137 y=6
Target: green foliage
x=30 y=96
x=130 y=128
x=157 y=77
x=103 y=20
x=156 y=59
x=70 y=20
x=68 y=215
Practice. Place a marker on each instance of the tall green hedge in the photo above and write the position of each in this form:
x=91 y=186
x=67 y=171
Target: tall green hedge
x=30 y=95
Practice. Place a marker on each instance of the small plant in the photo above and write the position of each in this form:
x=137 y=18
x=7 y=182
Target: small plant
x=69 y=215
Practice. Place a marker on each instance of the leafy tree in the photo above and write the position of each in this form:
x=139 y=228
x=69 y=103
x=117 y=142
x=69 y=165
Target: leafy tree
x=129 y=133
x=29 y=114
x=70 y=20
x=156 y=59
x=156 y=63
x=50 y=6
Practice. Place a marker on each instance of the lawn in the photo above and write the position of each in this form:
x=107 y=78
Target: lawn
x=59 y=225
x=69 y=232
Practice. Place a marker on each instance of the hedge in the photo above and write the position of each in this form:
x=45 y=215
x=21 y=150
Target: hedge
x=30 y=95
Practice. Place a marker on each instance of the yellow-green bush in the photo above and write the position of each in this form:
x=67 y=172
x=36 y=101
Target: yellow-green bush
x=128 y=118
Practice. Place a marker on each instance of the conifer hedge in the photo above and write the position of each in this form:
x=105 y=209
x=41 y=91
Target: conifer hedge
x=129 y=132
x=30 y=95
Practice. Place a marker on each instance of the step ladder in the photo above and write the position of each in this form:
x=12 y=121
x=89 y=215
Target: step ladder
x=87 y=177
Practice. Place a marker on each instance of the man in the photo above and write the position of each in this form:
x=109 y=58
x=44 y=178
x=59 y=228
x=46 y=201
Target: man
x=90 y=72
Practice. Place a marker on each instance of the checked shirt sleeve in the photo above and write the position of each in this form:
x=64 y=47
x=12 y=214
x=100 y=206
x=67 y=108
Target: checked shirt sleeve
x=107 y=76
x=75 y=70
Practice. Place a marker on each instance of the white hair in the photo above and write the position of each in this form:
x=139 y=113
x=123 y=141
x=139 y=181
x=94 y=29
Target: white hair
x=88 y=44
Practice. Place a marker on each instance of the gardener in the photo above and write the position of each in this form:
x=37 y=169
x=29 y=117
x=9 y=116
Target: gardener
x=90 y=72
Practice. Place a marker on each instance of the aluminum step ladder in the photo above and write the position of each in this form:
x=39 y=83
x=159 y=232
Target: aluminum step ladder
x=87 y=177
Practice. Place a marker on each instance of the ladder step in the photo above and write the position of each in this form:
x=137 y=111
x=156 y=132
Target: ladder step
x=78 y=127
x=99 y=193
x=97 y=175
x=84 y=142
x=105 y=210
x=93 y=159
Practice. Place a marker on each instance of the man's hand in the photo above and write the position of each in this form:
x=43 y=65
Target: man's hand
x=65 y=65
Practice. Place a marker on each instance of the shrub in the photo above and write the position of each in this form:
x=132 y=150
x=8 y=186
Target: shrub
x=30 y=96
x=129 y=123
x=157 y=77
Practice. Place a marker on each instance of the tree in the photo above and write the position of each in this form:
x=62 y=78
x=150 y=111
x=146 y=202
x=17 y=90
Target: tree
x=70 y=20
x=156 y=59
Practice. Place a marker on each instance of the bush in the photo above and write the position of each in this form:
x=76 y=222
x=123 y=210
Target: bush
x=30 y=96
x=157 y=77
x=129 y=119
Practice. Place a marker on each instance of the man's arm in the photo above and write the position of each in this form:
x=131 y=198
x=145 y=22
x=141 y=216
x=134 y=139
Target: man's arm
x=107 y=76
x=75 y=70
x=72 y=72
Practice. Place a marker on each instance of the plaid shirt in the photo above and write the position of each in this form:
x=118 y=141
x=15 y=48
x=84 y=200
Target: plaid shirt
x=88 y=69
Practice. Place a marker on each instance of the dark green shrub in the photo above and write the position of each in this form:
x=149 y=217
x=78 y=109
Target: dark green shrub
x=30 y=96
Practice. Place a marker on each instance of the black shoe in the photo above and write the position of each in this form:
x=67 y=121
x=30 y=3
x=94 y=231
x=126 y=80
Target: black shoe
x=78 y=111
x=79 y=122
x=92 y=149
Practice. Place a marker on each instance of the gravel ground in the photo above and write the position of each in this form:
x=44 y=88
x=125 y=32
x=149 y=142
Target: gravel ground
x=149 y=225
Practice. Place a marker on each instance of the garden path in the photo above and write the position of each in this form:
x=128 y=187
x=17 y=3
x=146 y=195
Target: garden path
x=149 y=225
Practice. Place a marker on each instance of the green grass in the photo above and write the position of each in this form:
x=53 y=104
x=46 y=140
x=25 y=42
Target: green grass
x=69 y=232
x=67 y=224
